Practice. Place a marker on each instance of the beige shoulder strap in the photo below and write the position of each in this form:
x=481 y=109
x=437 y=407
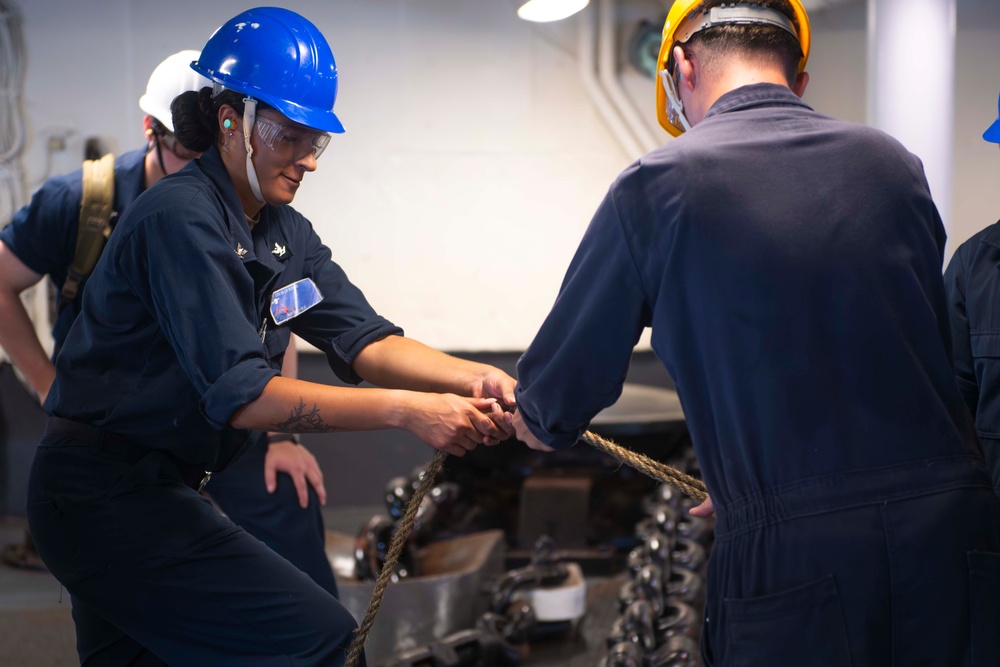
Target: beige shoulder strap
x=94 y=228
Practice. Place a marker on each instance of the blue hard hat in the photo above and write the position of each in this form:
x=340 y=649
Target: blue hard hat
x=278 y=57
x=992 y=133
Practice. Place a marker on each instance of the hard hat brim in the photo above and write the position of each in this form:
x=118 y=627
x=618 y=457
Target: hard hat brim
x=992 y=133
x=317 y=119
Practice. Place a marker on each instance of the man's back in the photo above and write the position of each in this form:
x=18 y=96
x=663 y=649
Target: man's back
x=796 y=293
x=790 y=267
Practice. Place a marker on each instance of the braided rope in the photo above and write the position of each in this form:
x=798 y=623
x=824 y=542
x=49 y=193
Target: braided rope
x=392 y=557
x=692 y=486
x=661 y=472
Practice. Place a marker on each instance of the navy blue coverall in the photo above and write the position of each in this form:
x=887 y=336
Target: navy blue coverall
x=972 y=281
x=789 y=265
x=174 y=335
x=43 y=236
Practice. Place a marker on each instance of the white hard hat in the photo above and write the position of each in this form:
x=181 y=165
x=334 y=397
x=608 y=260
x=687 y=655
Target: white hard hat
x=171 y=78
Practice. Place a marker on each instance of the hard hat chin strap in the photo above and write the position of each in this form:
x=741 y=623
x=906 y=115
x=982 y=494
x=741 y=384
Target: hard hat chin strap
x=675 y=108
x=249 y=116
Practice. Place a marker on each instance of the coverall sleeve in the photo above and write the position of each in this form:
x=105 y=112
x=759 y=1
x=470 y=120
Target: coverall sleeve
x=578 y=361
x=344 y=323
x=42 y=234
x=955 y=280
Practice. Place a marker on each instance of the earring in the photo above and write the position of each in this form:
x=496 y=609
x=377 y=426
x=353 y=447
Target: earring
x=230 y=134
x=228 y=124
x=149 y=133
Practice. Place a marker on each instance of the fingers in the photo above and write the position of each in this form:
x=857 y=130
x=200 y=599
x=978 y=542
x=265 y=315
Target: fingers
x=499 y=385
x=457 y=424
x=300 y=465
x=538 y=446
x=270 y=474
x=460 y=443
x=501 y=421
x=524 y=434
x=454 y=450
x=493 y=426
x=315 y=476
x=302 y=489
x=706 y=508
x=485 y=420
x=470 y=442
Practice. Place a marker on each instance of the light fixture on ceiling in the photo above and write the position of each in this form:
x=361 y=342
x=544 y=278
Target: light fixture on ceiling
x=542 y=11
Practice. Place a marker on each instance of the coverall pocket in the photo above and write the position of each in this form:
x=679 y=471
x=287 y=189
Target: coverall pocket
x=985 y=344
x=802 y=625
x=985 y=348
x=276 y=341
x=984 y=598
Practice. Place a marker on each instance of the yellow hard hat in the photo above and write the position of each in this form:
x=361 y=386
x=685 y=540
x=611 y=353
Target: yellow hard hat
x=686 y=17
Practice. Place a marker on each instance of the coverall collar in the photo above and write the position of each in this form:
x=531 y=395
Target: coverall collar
x=212 y=166
x=755 y=95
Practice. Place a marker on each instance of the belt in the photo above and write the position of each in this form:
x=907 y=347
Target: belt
x=121 y=447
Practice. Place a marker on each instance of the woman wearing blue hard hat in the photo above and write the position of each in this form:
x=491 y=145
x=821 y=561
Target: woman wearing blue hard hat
x=972 y=283
x=172 y=371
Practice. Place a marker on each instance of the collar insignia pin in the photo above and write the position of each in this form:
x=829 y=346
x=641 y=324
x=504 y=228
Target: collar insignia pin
x=240 y=250
x=279 y=250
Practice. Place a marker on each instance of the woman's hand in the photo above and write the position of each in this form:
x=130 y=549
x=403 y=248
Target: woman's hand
x=494 y=383
x=450 y=423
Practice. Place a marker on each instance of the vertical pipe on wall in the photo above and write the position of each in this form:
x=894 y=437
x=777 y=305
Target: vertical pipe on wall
x=911 y=82
x=607 y=68
x=587 y=62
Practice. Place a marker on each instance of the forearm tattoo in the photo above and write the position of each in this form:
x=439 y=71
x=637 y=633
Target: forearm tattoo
x=304 y=420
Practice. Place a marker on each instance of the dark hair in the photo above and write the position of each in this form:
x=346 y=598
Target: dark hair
x=761 y=43
x=195 y=115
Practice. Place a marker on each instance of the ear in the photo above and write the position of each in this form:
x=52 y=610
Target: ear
x=226 y=112
x=684 y=67
x=801 y=81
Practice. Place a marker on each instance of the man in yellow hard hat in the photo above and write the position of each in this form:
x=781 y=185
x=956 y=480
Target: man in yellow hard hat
x=789 y=265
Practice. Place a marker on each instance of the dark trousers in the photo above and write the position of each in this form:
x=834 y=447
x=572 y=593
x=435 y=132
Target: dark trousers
x=158 y=576
x=876 y=568
x=276 y=519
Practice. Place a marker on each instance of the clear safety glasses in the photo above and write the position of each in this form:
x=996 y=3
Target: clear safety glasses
x=292 y=142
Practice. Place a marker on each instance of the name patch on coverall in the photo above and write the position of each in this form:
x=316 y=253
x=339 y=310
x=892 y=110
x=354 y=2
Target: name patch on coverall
x=292 y=300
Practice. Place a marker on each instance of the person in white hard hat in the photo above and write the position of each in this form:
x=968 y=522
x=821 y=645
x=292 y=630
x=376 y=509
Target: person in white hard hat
x=274 y=493
x=171 y=77
x=973 y=286
x=41 y=238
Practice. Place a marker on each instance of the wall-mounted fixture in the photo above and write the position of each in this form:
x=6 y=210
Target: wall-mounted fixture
x=542 y=11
